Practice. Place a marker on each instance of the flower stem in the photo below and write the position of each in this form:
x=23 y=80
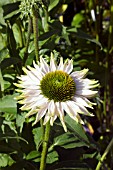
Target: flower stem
x=27 y=40
x=104 y=154
x=45 y=147
x=35 y=31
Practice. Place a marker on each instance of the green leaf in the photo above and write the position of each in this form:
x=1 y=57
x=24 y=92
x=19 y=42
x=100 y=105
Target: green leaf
x=8 y=104
x=52 y=4
x=47 y=35
x=77 y=19
x=18 y=165
x=77 y=129
x=80 y=34
x=33 y=155
x=37 y=132
x=5 y=160
x=20 y=119
x=2 y=22
x=52 y=157
x=11 y=8
x=68 y=140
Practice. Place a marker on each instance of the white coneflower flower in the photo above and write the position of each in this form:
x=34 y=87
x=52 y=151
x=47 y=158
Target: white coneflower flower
x=50 y=91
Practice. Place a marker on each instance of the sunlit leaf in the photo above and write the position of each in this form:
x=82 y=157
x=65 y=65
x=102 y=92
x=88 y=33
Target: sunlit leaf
x=8 y=104
x=33 y=155
x=77 y=19
x=20 y=119
x=37 y=132
x=5 y=160
x=52 y=157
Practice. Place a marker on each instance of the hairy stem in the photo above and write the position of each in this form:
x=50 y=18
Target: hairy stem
x=35 y=31
x=45 y=147
x=27 y=40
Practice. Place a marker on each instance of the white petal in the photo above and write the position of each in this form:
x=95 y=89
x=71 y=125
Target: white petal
x=71 y=108
x=44 y=65
x=81 y=101
x=47 y=118
x=86 y=93
x=40 y=114
x=61 y=65
x=32 y=112
x=71 y=112
x=79 y=74
x=52 y=119
x=37 y=73
x=60 y=112
x=41 y=101
x=52 y=63
x=68 y=66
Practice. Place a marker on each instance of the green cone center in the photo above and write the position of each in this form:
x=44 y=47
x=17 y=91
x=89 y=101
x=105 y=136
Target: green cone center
x=58 y=86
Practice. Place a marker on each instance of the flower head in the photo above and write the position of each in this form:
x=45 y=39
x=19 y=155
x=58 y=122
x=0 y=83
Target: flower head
x=50 y=91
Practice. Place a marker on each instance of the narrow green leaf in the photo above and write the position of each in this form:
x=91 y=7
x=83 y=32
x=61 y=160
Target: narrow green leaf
x=47 y=35
x=11 y=7
x=8 y=62
x=80 y=34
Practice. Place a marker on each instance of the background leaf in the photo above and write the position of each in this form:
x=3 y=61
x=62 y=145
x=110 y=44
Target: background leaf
x=8 y=104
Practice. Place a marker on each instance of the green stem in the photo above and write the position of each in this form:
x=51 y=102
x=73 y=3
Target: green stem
x=45 y=147
x=27 y=40
x=35 y=31
x=104 y=154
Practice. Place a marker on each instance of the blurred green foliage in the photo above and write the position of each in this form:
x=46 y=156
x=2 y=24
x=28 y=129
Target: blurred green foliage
x=77 y=29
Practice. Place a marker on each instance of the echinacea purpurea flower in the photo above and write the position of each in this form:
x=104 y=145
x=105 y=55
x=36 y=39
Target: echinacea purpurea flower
x=50 y=91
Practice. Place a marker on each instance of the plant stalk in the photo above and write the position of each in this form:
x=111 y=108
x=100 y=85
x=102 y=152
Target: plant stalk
x=27 y=40
x=45 y=147
x=35 y=31
x=104 y=154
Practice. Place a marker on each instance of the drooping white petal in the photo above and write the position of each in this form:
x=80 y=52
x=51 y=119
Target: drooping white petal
x=72 y=111
x=52 y=112
x=80 y=100
x=60 y=113
x=69 y=111
x=31 y=112
x=40 y=114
